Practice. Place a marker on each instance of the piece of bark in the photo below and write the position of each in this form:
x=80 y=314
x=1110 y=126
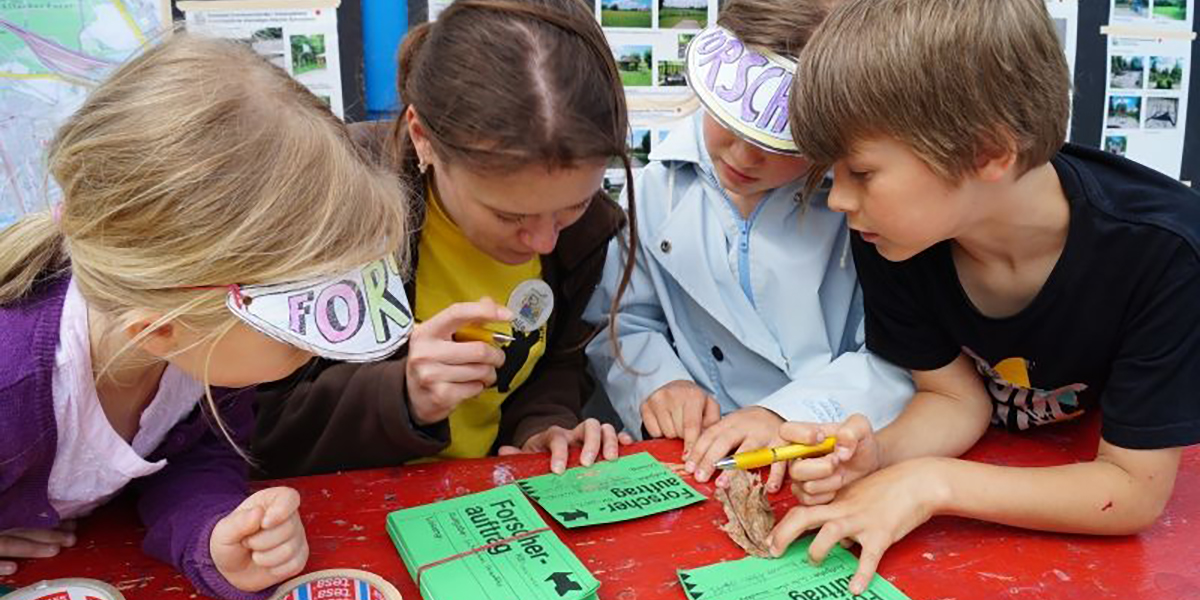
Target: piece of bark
x=750 y=516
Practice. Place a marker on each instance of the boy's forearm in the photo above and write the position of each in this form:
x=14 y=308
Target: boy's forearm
x=934 y=425
x=1097 y=497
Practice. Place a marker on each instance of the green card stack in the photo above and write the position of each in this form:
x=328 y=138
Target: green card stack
x=630 y=487
x=790 y=576
x=535 y=566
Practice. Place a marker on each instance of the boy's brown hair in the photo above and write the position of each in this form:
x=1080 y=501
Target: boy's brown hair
x=955 y=81
x=781 y=26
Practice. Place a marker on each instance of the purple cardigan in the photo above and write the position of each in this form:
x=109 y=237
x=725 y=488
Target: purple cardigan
x=204 y=479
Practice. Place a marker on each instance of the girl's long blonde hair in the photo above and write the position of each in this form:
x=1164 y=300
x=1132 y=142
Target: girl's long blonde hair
x=199 y=164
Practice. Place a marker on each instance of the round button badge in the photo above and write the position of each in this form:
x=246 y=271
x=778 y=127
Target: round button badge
x=531 y=303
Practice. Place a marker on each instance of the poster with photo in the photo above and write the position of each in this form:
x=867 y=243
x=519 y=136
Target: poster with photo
x=299 y=37
x=1167 y=15
x=1145 y=109
x=649 y=39
x=52 y=54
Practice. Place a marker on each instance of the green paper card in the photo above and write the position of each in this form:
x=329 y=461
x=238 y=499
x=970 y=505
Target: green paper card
x=609 y=491
x=789 y=577
x=536 y=567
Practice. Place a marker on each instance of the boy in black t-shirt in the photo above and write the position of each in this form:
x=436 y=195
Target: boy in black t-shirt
x=1022 y=281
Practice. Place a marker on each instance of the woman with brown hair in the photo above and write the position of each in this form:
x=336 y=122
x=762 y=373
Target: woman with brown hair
x=513 y=109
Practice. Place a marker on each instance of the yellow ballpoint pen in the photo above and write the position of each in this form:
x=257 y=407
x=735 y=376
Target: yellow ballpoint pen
x=475 y=333
x=479 y=333
x=754 y=459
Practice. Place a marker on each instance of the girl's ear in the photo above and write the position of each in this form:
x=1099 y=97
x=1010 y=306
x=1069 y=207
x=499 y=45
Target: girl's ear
x=161 y=342
x=419 y=137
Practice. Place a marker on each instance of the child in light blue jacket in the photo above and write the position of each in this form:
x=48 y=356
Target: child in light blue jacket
x=744 y=309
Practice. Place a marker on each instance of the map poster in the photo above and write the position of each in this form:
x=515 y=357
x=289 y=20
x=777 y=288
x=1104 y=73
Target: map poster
x=52 y=52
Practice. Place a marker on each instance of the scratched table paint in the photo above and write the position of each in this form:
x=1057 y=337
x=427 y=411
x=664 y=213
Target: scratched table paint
x=944 y=559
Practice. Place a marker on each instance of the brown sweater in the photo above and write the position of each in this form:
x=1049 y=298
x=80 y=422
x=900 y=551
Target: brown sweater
x=332 y=416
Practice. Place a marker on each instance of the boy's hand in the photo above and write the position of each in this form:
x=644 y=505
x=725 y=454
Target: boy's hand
x=817 y=480
x=680 y=409
x=745 y=429
x=261 y=543
x=34 y=543
x=595 y=438
x=440 y=372
x=876 y=512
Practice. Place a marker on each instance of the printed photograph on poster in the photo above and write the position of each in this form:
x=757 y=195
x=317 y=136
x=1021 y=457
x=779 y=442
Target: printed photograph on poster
x=684 y=40
x=626 y=13
x=1162 y=112
x=1125 y=72
x=682 y=14
x=268 y=43
x=639 y=147
x=308 y=54
x=614 y=182
x=1170 y=10
x=1166 y=72
x=1132 y=9
x=670 y=73
x=1060 y=28
x=1116 y=144
x=1124 y=112
x=635 y=63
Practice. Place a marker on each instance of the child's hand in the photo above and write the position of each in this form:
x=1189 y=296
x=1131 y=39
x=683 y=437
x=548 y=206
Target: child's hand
x=262 y=542
x=817 y=480
x=680 y=409
x=745 y=429
x=440 y=373
x=876 y=512
x=594 y=437
x=34 y=543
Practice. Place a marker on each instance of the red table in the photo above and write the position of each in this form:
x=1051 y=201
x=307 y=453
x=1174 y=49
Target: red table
x=947 y=558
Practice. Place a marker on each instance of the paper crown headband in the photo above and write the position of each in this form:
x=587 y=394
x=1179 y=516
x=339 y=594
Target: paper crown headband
x=745 y=90
x=360 y=316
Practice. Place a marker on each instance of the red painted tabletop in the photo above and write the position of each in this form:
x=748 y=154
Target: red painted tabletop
x=947 y=558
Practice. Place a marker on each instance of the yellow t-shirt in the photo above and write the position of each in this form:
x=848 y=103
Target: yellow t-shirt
x=450 y=270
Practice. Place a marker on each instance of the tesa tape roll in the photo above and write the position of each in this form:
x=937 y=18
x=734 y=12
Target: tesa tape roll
x=67 y=589
x=339 y=584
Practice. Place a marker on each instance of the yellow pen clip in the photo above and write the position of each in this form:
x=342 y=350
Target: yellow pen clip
x=762 y=457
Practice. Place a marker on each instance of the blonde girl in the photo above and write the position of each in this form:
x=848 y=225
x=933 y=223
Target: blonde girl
x=195 y=175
